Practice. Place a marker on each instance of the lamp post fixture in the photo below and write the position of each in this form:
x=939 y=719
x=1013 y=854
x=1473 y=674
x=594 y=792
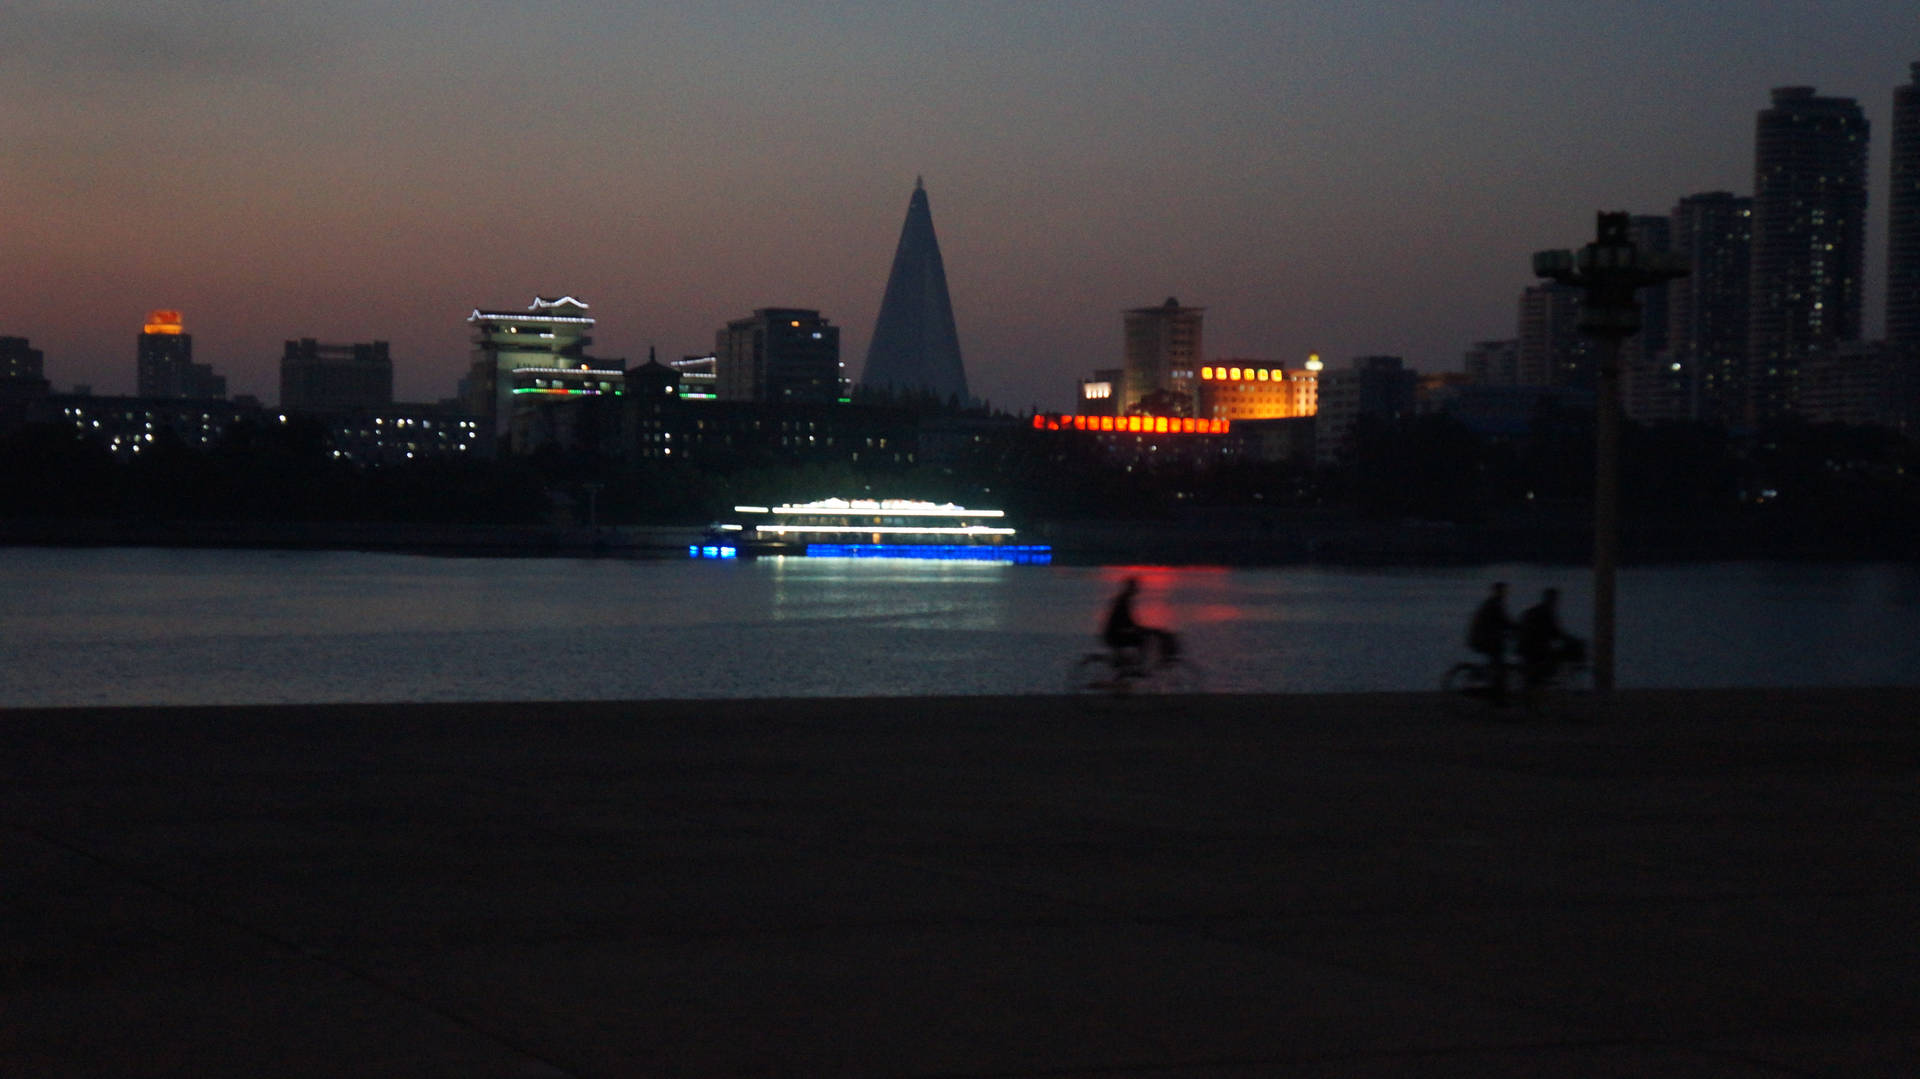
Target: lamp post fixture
x=1610 y=270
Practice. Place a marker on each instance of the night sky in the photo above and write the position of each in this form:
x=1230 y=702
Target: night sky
x=1337 y=178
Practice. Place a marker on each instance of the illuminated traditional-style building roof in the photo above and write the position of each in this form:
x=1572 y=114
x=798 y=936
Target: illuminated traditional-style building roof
x=540 y=310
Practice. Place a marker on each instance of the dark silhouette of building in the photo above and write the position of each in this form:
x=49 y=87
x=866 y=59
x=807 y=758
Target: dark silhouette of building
x=22 y=380
x=1707 y=310
x=1494 y=363
x=20 y=361
x=915 y=350
x=1552 y=351
x=165 y=362
x=783 y=355
x=326 y=378
x=1379 y=387
x=1654 y=386
x=1809 y=240
x=1903 y=248
x=1162 y=359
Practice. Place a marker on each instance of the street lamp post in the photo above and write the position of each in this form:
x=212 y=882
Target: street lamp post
x=1610 y=270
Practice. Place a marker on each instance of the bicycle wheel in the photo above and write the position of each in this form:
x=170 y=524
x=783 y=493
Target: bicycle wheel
x=1090 y=673
x=1465 y=688
x=1177 y=676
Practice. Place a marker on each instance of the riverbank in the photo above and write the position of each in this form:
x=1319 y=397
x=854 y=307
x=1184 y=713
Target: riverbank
x=1696 y=883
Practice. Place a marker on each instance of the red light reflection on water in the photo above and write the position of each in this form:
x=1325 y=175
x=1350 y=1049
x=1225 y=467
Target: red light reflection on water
x=1160 y=602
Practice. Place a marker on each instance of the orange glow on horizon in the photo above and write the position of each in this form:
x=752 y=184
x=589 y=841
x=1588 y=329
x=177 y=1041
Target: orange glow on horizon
x=164 y=321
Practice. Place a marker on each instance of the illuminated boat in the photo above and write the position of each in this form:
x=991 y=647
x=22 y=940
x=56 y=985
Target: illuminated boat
x=868 y=528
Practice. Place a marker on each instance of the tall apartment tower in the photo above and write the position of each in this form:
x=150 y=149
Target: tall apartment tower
x=915 y=350
x=316 y=377
x=1552 y=351
x=1903 y=223
x=784 y=355
x=1809 y=240
x=1162 y=360
x=1655 y=386
x=165 y=366
x=1707 y=310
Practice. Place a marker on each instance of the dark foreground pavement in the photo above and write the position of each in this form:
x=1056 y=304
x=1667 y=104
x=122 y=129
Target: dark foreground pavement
x=1699 y=884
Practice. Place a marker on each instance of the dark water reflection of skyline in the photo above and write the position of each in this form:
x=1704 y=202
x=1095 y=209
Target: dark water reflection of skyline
x=143 y=626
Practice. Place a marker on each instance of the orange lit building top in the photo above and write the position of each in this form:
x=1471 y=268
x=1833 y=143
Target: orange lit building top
x=164 y=321
x=1257 y=390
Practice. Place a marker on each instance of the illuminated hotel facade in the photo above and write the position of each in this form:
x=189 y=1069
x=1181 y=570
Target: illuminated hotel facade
x=1257 y=390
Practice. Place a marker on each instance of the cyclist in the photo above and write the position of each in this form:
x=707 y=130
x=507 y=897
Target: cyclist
x=1127 y=637
x=1542 y=645
x=1487 y=635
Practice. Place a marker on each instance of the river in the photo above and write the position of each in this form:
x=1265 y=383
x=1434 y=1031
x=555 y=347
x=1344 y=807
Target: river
x=167 y=626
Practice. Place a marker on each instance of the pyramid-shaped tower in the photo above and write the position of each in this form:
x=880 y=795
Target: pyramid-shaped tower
x=915 y=349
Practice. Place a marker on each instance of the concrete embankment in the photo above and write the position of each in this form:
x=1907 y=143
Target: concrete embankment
x=1688 y=883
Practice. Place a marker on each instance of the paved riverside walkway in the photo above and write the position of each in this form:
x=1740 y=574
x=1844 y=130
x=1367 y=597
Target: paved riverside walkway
x=1695 y=884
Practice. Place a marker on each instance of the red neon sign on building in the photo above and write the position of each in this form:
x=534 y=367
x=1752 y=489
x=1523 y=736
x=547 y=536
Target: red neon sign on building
x=1140 y=425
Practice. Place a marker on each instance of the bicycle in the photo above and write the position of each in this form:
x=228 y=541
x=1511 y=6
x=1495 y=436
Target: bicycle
x=1122 y=671
x=1468 y=687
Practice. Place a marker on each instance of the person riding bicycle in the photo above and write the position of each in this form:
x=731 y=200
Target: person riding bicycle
x=1487 y=635
x=1543 y=646
x=1127 y=637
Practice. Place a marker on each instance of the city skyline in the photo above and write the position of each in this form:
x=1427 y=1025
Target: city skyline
x=1353 y=182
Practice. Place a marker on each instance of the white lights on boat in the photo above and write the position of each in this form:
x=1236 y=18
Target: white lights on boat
x=894 y=507
x=884 y=530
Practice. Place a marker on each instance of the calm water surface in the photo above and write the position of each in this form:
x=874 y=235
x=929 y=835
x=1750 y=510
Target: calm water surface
x=141 y=626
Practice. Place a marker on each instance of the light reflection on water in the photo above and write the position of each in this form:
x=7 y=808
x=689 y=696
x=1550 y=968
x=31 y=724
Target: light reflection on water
x=174 y=627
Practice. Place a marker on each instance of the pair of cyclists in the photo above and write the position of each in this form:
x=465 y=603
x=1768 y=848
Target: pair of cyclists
x=1540 y=644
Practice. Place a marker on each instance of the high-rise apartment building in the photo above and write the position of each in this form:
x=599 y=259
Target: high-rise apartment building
x=1707 y=310
x=1162 y=359
x=1552 y=351
x=915 y=349
x=1494 y=363
x=1903 y=222
x=165 y=362
x=785 y=355
x=315 y=377
x=550 y=335
x=1903 y=255
x=1653 y=385
x=1809 y=240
